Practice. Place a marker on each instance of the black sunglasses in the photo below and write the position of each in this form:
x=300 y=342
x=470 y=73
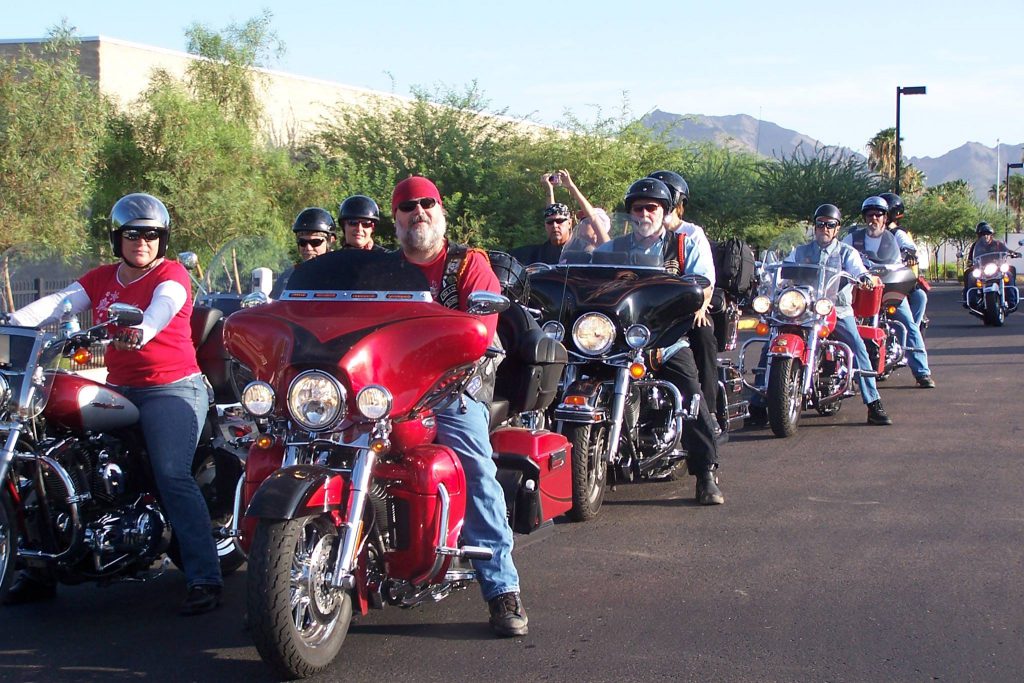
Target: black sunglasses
x=411 y=204
x=136 y=235
x=831 y=225
x=314 y=242
x=552 y=221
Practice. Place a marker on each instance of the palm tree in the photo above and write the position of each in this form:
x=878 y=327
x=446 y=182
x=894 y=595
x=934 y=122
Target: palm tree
x=912 y=180
x=882 y=153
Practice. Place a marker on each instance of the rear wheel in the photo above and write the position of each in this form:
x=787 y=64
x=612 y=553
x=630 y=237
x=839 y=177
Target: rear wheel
x=994 y=314
x=297 y=619
x=8 y=543
x=784 y=397
x=589 y=468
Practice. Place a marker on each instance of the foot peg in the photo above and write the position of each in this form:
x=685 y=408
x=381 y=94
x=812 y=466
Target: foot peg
x=468 y=552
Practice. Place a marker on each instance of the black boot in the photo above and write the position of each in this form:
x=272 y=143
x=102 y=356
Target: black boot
x=200 y=599
x=708 y=492
x=508 y=618
x=30 y=587
x=877 y=414
x=757 y=416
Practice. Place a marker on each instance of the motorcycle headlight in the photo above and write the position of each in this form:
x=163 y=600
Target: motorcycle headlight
x=374 y=402
x=976 y=272
x=761 y=304
x=990 y=269
x=637 y=336
x=316 y=400
x=823 y=306
x=593 y=333
x=554 y=329
x=792 y=303
x=258 y=399
x=1003 y=268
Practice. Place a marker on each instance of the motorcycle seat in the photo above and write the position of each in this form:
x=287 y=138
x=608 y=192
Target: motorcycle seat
x=202 y=321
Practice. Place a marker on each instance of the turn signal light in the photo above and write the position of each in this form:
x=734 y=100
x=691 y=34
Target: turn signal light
x=891 y=310
x=379 y=446
x=264 y=441
x=762 y=328
x=823 y=332
x=1006 y=277
x=978 y=283
x=82 y=356
x=637 y=370
x=575 y=401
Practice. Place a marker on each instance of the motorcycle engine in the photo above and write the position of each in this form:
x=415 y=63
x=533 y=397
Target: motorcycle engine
x=138 y=533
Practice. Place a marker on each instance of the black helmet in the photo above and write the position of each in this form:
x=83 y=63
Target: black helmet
x=357 y=207
x=828 y=211
x=984 y=229
x=649 y=188
x=139 y=210
x=314 y=219
x=874 y=203
x=895 y=205
x=676 y=185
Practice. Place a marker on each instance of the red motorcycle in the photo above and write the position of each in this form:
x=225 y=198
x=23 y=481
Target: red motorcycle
x=353 y=505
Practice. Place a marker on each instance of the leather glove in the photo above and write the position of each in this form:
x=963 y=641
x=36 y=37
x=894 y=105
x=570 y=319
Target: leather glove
x=128 y=339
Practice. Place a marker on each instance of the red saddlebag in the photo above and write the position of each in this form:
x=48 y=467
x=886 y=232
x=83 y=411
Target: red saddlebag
x=535 y=471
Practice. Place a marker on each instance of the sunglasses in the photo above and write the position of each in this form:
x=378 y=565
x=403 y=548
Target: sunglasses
x=645 y=208
x=826 y=225
x=874 y=214
x=136 y=235
x=314 y=242
x=552 y=221
x=411 y=204
x=359 y=224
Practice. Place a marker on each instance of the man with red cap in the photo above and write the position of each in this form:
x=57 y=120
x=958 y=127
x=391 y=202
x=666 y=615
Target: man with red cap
x=454 y=272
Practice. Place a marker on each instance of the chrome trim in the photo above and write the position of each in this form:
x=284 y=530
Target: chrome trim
x=359 y=482
x=78 y=534
x=355 y=296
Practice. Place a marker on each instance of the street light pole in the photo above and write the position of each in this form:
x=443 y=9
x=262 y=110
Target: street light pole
x=910 y=90
x=1006 y=232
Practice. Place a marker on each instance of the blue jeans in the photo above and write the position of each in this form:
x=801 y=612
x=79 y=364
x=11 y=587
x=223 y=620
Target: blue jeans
x=846 y=331
x=486 y=519
x=171 y=417
x=918 y=304
x=917 y=360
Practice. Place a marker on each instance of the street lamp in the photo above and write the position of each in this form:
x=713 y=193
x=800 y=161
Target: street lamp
x=910 y=90
x=1006 y=233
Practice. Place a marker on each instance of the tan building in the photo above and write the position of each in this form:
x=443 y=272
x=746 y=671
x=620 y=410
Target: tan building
x=293 y=105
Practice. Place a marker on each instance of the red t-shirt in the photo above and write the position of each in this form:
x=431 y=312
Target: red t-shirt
x=166 y=358
x=477 y=275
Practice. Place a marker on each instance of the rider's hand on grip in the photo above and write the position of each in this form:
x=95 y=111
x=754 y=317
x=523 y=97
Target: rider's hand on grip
x=868 y=281
x=128 y=339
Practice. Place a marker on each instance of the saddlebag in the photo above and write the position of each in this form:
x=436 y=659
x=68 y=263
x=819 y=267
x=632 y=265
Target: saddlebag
x=874 y=341
x=535 y=471
x=726 y=315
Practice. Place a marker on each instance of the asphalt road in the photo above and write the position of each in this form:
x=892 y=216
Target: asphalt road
x=846 y=553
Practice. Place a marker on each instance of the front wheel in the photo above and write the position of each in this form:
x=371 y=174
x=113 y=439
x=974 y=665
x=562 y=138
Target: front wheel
x=297 y=619
x=785 y=396
x=589 y=468
x=994 y=313
x=8 y=543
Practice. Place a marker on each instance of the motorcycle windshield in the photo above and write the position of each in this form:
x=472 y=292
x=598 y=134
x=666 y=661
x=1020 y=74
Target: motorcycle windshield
x=242 y=266
x=795 y=288
x=366 y=318
x=609 y=268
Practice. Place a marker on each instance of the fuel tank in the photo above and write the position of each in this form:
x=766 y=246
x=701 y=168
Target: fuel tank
x=80 y=404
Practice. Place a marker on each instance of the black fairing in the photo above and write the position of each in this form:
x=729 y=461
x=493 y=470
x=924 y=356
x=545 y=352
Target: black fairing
x=664 y=303
x=900 y=280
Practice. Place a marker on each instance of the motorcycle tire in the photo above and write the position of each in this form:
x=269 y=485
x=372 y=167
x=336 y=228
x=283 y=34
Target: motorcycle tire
x=589 y=468
x=221 y=507
x=297 y=620
x=994 y=314
x=8 y=543
x=784 y=398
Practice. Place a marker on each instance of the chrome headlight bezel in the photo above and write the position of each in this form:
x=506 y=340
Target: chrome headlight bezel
x=823 y=306
x=761 y=304
x=554 y=329
x=638 y=336
x=593 y=333
x=792 y=303
x=326 y=391
x=258 y=399
x=374 y=402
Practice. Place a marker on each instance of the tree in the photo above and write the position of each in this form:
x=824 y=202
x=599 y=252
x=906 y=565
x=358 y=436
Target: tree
x=945 y=214
x=882 y=153
x=51 y=120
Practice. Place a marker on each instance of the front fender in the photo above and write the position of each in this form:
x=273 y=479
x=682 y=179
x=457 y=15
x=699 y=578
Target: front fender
x=788 y=345
x=298 y=491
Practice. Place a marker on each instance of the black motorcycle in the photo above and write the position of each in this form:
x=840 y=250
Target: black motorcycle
x=992 y=292
x=614 y=311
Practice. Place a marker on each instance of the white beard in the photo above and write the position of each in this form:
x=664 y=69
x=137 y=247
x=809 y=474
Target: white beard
x=422 y=236
x=645 y=229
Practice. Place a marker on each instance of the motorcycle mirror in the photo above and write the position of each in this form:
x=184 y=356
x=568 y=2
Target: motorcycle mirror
x=1020 y=243
x=189 y=259
x=486 y=303
x=124 y=314
x=254 y=299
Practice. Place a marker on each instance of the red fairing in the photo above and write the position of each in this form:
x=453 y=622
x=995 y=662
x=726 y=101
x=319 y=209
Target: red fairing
x=261 y=463
x=406 y=347
x=80 y=404
x=414 y=483
x=551 y=452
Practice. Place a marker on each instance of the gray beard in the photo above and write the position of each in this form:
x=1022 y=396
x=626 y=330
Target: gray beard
x=646 y=229
x=423 y=238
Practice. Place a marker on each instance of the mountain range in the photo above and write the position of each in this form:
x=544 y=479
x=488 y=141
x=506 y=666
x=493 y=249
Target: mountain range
x=972 y=161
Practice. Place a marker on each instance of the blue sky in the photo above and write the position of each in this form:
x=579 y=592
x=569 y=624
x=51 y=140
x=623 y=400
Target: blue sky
x=828 y=70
